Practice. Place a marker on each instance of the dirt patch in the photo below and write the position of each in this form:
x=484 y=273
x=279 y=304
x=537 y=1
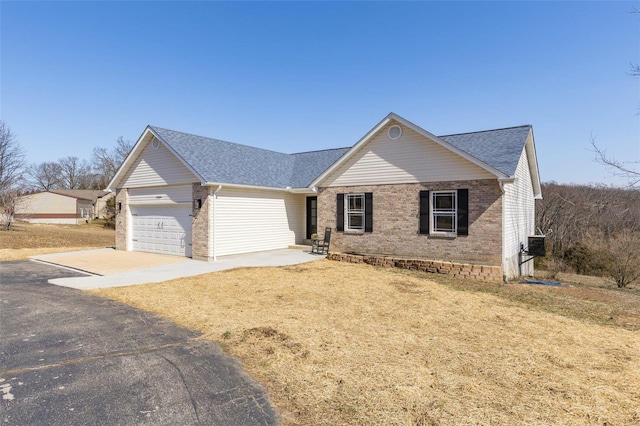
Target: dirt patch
x=24 y=239
x=338 y=343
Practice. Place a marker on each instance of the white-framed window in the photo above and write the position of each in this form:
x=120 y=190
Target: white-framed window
x=354 y=212
x=444 y=206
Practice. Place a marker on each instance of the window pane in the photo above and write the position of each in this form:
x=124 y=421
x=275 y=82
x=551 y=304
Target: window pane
x=356 y=202
x=356 y=221
x=444 y=202
x=443 y=223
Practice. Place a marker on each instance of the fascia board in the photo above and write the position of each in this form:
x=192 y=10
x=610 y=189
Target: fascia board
x=392 y=116
x=345 y=157
x=179 y=157
x=449 y=146
x=241 y=186
x=135 y=151
x=261 y=188
x=532 y=158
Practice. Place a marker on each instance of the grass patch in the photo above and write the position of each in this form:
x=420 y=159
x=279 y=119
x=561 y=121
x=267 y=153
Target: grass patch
x=338 y=343
x=26 y=239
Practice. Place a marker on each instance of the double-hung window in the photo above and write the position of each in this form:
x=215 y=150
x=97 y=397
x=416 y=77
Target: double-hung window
x=354 y=212
x=444 y=211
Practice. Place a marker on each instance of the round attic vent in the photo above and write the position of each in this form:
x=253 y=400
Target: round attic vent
x=394 y=132
x=155 y=144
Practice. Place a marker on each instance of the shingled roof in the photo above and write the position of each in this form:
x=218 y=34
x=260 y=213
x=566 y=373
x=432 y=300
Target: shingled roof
x=226 y=162
x=500 y=148
x=218 y=161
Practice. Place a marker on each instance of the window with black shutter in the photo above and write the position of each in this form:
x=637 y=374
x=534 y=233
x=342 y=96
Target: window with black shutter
x=444 y=212
x=354 y=212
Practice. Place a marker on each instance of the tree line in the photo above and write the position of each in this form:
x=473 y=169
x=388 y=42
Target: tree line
x=17 y=176
x=591 y=230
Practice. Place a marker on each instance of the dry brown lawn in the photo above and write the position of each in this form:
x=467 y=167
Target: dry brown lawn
x=337 y=343
x=24 y=239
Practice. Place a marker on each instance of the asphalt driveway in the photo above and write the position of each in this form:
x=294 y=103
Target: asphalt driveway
x=67 y=357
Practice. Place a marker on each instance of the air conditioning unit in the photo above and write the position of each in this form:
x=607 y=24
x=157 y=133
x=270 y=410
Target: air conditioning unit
x=536 y=246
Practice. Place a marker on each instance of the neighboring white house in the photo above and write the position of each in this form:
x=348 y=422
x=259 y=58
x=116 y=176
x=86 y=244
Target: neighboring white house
x=399 y=191
x=63 y=206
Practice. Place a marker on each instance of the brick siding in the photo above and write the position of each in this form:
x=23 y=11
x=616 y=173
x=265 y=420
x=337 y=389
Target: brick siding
x=200 y=229
x=122 y=196
x=396 y=223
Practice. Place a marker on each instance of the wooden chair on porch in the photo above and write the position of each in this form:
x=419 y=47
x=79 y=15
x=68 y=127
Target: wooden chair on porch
x=321 y=246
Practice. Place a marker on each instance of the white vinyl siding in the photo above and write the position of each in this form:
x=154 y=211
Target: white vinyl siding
x=161 y=195
x=411 y=158
x=253 y=220
x=519 y=218
x=155 y=167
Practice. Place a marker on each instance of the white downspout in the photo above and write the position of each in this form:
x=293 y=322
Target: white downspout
x=213 y=223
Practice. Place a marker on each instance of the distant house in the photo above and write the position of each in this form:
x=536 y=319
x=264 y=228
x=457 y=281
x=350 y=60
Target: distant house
x=399 y=191
x=63 y=206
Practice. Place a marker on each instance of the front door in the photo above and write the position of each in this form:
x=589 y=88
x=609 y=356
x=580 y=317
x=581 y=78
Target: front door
x=312 y=216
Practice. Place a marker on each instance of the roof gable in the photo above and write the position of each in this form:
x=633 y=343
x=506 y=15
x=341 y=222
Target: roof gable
x=496 y=151
x=213 y=161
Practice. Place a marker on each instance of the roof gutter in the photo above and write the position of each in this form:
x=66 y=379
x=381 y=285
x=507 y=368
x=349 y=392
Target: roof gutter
x=263 y=188
x=502 y=181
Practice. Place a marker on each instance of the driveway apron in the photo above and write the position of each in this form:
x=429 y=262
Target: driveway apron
x=67 y=357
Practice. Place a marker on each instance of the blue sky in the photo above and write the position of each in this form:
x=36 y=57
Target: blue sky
x=300 y=76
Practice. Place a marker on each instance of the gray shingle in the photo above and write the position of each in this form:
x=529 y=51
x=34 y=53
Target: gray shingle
x=500 y=148
x=226 y=162
x=310 y=165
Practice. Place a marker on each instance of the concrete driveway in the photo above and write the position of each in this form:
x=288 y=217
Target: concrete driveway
x=70 y=358
x=112 y=268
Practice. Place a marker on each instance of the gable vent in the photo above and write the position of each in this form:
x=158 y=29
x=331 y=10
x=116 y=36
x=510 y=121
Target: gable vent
x=394 y=132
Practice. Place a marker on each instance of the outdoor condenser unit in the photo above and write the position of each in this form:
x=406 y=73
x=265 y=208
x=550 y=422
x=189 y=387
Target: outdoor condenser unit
x=536 y=246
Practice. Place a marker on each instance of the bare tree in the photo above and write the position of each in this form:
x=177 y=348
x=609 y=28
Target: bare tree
x=12 y=164
x=106 y=161
x=45 y=176
x=624 y=169
x=75 y=173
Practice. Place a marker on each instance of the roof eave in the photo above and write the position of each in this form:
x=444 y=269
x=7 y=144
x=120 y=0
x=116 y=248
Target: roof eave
x=137 y=150
x=393 y=116
x=532 y=159
x=261 y=188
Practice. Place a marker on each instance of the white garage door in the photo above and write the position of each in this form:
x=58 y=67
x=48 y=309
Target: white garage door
x=162 y=229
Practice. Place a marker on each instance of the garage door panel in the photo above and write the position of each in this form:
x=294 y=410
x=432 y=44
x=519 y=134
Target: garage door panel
x=162 y=229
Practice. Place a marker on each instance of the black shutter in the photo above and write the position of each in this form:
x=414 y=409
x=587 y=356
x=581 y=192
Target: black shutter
x=424 y=212
x=368 y=212
x=340 y=213
x=463 y=212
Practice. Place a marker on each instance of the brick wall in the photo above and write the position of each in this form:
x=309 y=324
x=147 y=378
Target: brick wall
x=200 y=237
x=122 y=196
x=396 y=223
